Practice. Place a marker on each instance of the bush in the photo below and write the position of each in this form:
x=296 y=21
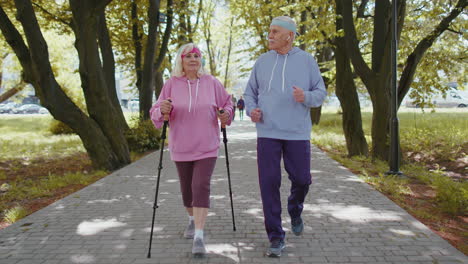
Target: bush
x=59 y=128
x=143 y=137
x=14 y=214
x=452 y=197
x=389 y=184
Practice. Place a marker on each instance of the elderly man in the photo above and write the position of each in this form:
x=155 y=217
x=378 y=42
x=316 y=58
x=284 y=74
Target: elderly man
x=284 y=84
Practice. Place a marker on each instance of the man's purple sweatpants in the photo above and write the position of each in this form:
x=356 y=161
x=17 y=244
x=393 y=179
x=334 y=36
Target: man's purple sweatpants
x=296 y=157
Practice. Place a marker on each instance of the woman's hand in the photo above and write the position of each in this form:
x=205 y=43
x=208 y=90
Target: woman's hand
x=166 y=106
x=223 y=116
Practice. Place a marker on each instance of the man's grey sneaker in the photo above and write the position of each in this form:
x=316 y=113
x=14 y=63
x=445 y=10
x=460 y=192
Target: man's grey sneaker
x=276 y=247
x=297 y=226
x=189 y=231
x=198 y=248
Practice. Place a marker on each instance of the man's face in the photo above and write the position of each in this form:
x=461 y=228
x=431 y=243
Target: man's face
x=278 y=37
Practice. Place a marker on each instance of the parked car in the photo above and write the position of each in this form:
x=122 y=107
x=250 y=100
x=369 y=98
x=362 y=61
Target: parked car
x=43 y=111
x=453 y=98
x=133 y=105
x=7 y=108
x=27 y=109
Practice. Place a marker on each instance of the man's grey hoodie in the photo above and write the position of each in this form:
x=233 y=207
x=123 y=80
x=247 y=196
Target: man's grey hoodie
x=270 y=88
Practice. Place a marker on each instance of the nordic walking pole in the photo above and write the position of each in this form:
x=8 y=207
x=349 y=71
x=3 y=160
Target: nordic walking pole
x=223 y=129
x=155 y=205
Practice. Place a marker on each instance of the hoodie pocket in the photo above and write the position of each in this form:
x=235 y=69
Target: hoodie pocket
x=289 y=115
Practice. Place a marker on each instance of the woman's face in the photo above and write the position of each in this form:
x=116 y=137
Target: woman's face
x=191 y=62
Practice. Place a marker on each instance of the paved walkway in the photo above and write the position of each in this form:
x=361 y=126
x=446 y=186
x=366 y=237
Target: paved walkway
x=109 y=222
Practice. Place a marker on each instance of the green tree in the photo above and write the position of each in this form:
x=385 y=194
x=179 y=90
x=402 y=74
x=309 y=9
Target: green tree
x=220 y=34
x=207 y=15
x=147 y=77
x=443 y=61
x=377 y=76
x=102 y=130
x=346 y=92
x=187 y=28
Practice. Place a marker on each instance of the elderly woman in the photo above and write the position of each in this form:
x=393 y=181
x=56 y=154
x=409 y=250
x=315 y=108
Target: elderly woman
x=193 y=101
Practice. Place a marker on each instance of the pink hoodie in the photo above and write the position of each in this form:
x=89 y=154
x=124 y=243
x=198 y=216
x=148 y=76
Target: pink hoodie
x=194 y=129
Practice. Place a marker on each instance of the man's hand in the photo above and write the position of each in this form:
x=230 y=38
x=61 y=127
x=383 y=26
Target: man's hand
x=256 y=115
x=166 y=106
x=223 y=117
x=298 y=94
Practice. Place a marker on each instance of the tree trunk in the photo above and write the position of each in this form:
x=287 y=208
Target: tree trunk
x=158 y=75
x=158 y=83
x=377 y=78
x=209 y=48
x=228 y=54
x=183 y=35
x=381 y=118
x=10 y=92
x=347 y=94
x=302 y=28
x=352 y=121
x=315 y=113
x=186 y=29
x=167 y=34
x=146 y=91
x=323 y=55
x=98 y=100
x=108 y=67
x=136 y=36
x=38 y=71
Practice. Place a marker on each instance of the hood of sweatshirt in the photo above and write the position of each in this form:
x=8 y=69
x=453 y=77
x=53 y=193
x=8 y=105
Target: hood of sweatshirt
x=190 y=86
x=276 y=54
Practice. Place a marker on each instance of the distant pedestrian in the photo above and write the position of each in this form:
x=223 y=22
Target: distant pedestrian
x=234 y=104
x=241 y=106
x=284 y=84
x=192 y=100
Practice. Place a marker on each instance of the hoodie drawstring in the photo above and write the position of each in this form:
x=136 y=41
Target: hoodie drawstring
x=284 y=67
x=190 y=94
x=196 y=94
x=273 y=71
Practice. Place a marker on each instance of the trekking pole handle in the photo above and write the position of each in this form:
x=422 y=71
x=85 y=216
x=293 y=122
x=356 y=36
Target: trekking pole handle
x=222 y=112
x=166 y=116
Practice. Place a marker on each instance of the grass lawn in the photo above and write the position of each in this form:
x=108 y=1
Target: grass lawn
x=27 y=137
x=37 y=167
